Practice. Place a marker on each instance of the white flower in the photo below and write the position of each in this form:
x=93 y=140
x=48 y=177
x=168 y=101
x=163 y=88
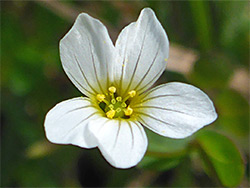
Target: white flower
x=116 y=80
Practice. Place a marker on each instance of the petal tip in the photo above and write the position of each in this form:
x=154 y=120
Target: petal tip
x=147 y=10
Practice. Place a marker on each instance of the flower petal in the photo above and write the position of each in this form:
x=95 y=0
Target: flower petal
x=175 y=110
x=87 y=53
x=122 y=143
x=143 y=47
x=66 y=123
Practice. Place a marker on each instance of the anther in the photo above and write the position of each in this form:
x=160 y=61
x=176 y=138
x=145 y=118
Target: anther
x=100 y=97
x=112 y=89
x=111 y=106
x=113 y=101
x=132 y=93
x=110 y=114
x=124 y=105
x=128 y=111
x=118 y=110
x=119 y=99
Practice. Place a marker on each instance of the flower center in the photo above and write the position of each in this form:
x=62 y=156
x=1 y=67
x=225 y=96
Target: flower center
x=114 y=105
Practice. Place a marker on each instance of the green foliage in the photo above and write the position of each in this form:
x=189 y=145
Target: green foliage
x=164 y=153
x=234 y=110
x=159 y=163
x=221 y=156
x=202 y=22
x=212 y=71
x=234 y=35
x=162 y=144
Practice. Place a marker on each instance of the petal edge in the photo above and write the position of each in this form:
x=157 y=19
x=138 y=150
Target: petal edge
x=66 y=123
x=123 y=144
x=175 y=110
x=143 y=47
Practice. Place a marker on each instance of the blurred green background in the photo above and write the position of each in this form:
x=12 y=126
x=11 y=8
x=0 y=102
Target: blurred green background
x=215 y=34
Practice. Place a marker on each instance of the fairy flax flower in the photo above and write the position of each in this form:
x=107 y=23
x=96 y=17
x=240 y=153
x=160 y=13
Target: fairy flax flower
x=116 y=80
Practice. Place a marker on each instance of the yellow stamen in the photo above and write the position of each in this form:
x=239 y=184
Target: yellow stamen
x=118 y=110
x=132 y=93
x=110 y=114
x=128 y=111
x=123 y=105
x=119 y=99
x=113 y=101
x=111 y=106
x=116 y=106
x=100 y=97
x=112 y=89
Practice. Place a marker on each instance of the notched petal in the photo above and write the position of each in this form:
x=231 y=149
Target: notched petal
x=86 y=53
x=143 y=47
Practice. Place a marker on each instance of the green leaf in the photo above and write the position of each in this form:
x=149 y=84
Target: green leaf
x=234 y=112
x=224 y=157
x=160 y=164
x=212 y=71
x=163 y=153
x=234 y=31
x=202 y=23
x=163 y=144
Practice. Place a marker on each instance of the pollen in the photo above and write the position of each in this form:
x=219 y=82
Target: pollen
x=110 y=114
x=100 y=97
x=128 y=111
x=114 y=105
x=119 y=99
x=132 y=93
x=124 y=105
x=113 y=101
x=118 y=110
x=111 y=106
x=112 y=89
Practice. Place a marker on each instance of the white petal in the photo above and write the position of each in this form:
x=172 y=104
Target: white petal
x=86 y=53
x=122 y=143
x=175 y=110
x=143 y=47
x=66 y=123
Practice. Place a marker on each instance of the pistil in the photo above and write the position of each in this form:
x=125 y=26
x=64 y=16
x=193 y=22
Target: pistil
x=114 y=105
